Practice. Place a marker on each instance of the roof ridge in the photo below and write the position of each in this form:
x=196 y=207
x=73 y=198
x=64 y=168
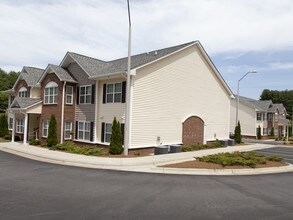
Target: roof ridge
x=166 y=48
x=33 y=67
x=87 y=56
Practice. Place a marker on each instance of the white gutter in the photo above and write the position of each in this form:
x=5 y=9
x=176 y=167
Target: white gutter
x=62 y=113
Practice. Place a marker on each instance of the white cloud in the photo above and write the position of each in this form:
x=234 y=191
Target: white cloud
x=40 y=32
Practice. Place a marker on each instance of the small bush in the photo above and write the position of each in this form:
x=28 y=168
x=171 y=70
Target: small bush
x=3 y=125
x=52 y=138
x=239 y=159
x=195 y=147
x=259 y=132
x=35 y=142
x=8 y=137
x=136 y=153
x=237 y=133
x=16 y=138
x=116 y=138
x=72 y=148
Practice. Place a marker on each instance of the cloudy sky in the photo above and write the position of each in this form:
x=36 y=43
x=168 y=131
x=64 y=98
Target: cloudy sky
x=239 y=36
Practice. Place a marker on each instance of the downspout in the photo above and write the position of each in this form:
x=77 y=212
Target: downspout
x=62 y=113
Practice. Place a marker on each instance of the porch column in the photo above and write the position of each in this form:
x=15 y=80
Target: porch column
x=13 y=127
x=25 y=129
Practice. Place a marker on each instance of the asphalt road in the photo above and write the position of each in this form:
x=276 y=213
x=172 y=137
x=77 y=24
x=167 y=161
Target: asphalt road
x=35 y=190
x=285 y=152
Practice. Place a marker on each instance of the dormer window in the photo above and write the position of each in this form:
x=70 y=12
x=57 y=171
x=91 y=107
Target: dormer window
x=51 y=93
x=22 y=92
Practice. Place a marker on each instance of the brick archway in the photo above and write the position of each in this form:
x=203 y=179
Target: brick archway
x=193 y=130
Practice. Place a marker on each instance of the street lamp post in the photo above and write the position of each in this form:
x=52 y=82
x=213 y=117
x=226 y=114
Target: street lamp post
x=237 y=107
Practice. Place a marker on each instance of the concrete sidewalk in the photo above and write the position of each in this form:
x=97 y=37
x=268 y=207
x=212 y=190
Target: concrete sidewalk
x=139 y=164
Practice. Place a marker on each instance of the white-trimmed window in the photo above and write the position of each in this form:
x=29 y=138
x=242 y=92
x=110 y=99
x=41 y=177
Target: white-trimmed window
x=85 y=94
x=108 y=132
x=114 y=93
x=22 y=92
x=84 y=130
x=258 y=116
x=45 y=128
x=10 y=124
x=51 y=93
x=69 y=95
x=19 y=125
x=68 y=130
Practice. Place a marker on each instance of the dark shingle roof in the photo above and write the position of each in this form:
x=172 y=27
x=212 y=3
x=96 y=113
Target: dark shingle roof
x=95 y=67
x=260 y=105
x=275 y=107
x=24 y=102
x=62 y=74
x=31 y=75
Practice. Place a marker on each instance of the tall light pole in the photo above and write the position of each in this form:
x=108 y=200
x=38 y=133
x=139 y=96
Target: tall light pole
x=237 y=107
x=128 y=89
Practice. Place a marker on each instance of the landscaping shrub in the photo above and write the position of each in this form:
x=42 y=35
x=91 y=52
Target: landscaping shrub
x=72 y=148
x=195 y=147
x=273 y=132
x=116 y=138
x=237 y=133
x=52 y=139
x=239 y=159
x=8 y=137
x=35 y=142
x=3 y=125
x=259 y=132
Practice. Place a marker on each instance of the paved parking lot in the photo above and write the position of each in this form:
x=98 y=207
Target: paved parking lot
x=285 y=152
x=36 y=190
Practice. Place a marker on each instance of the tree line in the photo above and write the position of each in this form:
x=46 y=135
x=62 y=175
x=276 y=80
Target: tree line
x=7 y=80
x=285 y=97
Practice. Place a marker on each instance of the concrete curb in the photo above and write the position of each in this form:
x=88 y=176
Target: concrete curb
x=147 y=164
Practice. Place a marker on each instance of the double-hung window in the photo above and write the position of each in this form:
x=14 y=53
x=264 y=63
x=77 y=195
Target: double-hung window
x=68 y=129
x=45 y=128
x=258 y=116
x=20 y=126
x=22 y=92
x=108 y=132
x=69 y=95
x=114 y=92
x=84 y=130
x=85 y=94
x=51 y=93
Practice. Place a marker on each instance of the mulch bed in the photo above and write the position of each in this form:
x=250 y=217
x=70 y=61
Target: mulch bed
x=204 y=165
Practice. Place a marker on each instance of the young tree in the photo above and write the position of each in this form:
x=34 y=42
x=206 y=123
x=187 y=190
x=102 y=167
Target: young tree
x=52 y=139
x=3 y=125
x=237 y=133
x=273 y=132
x=259 y=132
x=116 y=138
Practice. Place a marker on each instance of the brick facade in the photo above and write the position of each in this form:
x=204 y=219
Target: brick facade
x=49 y=109
x=22 y=83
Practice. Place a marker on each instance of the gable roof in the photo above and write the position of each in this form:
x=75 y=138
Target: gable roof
x=60 y=72
x=262 y=105
x=95 y=67
x=30 y=75
x=277 y=107
x=24 y=102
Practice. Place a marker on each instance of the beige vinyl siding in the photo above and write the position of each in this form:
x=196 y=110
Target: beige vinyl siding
x=108 y=111
x=246 y=116
x=169 y=91
x=35 y=92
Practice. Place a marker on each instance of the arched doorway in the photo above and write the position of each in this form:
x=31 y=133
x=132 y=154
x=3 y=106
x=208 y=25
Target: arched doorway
x=193 y=131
